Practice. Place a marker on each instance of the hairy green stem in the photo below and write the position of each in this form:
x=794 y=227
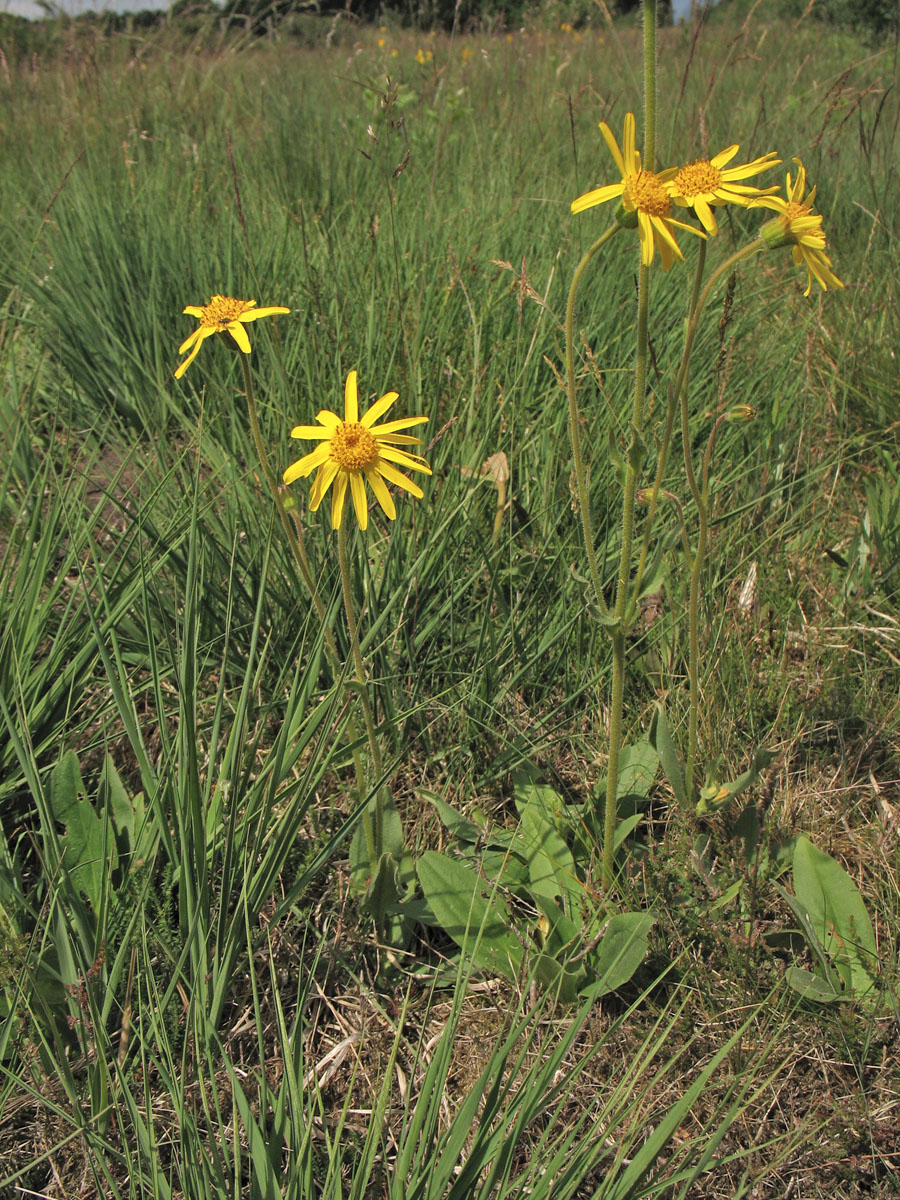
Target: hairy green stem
x=375 y=840
x=650 y=18
x=295 y=541
x=618 y=630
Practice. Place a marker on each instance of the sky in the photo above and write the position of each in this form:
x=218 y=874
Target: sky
x=28 y=8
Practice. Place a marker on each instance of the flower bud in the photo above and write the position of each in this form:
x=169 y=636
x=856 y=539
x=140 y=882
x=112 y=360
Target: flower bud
x=741 y=414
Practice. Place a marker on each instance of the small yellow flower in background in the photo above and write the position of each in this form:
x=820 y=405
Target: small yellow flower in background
x=356 y=449
x=424 y=56
x=645 y=193
x=223 y=314
x=381 y=43
x=466 y=53
x=394 y=52
x=798 y=226
x=707 y=182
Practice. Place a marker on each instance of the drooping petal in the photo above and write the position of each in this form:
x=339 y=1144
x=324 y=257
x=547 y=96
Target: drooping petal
x=239 y=333
x=351 y=402
x=358 y=494
x=647 y=241
x=337 y=499
x=200 y=332
x=182 y=367
x=664 y=233
x=193 y=310
x=378 y=409
x=382 y=495
x=322 y=482
x=306 y=465
x=706 y=215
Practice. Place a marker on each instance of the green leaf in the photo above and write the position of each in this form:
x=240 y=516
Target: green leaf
x=661 y=741
x=551 y=867
x=540 y=798
x=836 y=912
x=454 y=821
x=620 y=953
x=471 y=912
x=87 y=848
x=626 y=827
x=810 y=986
x=381 y=810
x=638 y=765
x=637 y=449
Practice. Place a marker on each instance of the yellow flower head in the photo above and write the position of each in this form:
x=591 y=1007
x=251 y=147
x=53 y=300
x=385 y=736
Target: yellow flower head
x=707 y=182
x=645 y=193
x=223 y=314
x=798 y=226
x=354 y=450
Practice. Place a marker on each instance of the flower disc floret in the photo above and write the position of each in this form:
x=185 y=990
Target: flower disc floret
x=355 y=451
x=223 y=314
x=645 y=193
x=353 y=448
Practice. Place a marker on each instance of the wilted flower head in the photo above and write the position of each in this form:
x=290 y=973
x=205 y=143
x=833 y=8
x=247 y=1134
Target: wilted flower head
x=223 y=314
x=798 y=226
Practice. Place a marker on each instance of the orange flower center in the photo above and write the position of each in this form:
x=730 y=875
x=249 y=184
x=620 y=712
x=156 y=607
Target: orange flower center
x=793 y=210
x=222 y=310
x=644 y=191
x=353 y=447
x=698 y=178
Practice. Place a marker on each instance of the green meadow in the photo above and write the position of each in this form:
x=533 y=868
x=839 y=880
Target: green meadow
x=306 y=883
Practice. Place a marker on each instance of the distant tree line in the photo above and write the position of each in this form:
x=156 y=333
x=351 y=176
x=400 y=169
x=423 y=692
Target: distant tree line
x=310 y=20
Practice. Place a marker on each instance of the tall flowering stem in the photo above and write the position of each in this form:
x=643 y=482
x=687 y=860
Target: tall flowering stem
x=353 y=452
x=631 y=471
x=294 y=534
x=374 y=836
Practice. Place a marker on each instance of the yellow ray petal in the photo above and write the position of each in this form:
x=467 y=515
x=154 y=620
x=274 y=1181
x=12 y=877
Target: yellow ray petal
x=378 y=409
x=382 y=495
x=239 y=333
x=358 y=494
x=351 y=403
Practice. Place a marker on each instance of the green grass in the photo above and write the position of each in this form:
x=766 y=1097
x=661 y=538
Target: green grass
x=197 y=1006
